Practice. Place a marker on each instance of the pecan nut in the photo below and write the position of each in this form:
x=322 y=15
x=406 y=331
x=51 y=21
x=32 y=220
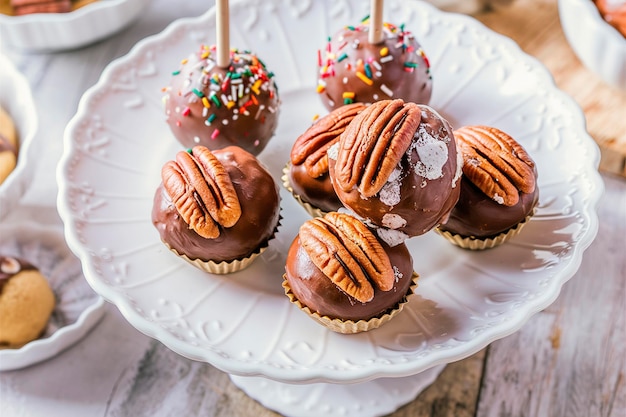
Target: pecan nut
x=496 y=163
x=311 y=147
x=201 y=191
x=348 y=253
x=373 y=145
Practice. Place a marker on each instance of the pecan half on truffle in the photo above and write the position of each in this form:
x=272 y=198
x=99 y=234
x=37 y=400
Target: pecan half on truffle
x=202 y=191
x=396 y=166
x=308 y=168
x=499 y=185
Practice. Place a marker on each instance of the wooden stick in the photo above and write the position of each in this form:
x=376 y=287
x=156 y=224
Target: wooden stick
x=376 y=22
x=223 y=34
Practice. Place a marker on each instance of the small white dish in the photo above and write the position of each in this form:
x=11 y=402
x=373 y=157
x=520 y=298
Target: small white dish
x=600 y=47
x=243 y=323
x=78 y=308
x=17 y=100
x=46 y=32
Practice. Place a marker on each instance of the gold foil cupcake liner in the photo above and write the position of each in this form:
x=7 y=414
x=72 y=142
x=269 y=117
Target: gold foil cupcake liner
x=310 y=209
x=351 y=326
x=473 y=243
x=227 y=267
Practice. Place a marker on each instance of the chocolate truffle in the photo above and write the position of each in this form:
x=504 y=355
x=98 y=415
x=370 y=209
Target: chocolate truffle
x=336 y=267
x=217 y=107
x=26 y=302
x=307 y=174
x=216 y=207
x=397 y=166
x=351 y=69
x=498 y=188
x=8 y=145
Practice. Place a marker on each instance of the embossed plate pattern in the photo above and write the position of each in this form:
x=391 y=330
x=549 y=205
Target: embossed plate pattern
x=243 y=323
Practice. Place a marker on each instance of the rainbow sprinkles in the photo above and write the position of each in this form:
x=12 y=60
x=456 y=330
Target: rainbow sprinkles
x=205 y=102
x=352 y=69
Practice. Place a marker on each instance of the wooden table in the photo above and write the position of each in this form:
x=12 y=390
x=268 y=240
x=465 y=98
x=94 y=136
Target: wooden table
x=568 y=360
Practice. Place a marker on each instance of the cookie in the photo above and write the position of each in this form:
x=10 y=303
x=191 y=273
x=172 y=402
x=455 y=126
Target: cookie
x=26 y=302
x=8 y=145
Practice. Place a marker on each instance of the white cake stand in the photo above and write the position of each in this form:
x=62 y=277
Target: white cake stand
x=243 y=324
x=374 y=398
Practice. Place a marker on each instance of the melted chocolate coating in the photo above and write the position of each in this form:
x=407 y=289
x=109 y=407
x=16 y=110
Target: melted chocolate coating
x=318 y=192
x=249 y=122
x=260 y=204
x=315 y=290
x=389 y=77
x=419 y=203
x=477 y=215
x=10 y=267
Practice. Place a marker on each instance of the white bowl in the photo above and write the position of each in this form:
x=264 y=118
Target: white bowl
x=600 y=47
x=16 y=98
x=60 y=31
x=78 y=308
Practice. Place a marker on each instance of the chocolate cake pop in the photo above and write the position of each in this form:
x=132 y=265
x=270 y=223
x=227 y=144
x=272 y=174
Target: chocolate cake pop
x=353 y=69
x=397 y=166
x=217 y=106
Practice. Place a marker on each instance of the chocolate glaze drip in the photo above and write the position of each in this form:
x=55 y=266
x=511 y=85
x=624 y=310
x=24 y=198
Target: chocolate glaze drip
x=315 y=290
x=260 y=204
x=10 y=267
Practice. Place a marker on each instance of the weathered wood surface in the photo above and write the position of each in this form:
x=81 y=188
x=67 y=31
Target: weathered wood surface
x=569 y=360
x=535 y=26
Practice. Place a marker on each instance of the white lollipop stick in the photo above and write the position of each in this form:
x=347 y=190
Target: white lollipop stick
x=223 y=34
x=376 y=22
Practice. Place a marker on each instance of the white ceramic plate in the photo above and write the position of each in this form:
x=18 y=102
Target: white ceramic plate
x=17 y=100
x=78 y=308
x=600 y=47
x=60 y=31
x=243 y=323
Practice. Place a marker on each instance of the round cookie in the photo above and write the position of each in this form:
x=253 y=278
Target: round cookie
x=217 y=107
x=8 y=145
x=351 y=69
x=26 y=302
x=217 y=209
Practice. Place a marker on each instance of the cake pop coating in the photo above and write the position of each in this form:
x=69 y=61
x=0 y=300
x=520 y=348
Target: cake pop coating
x=397 y=167
x=351 y=69
x=218 y=107
x=323 y=293
x=258 y=197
